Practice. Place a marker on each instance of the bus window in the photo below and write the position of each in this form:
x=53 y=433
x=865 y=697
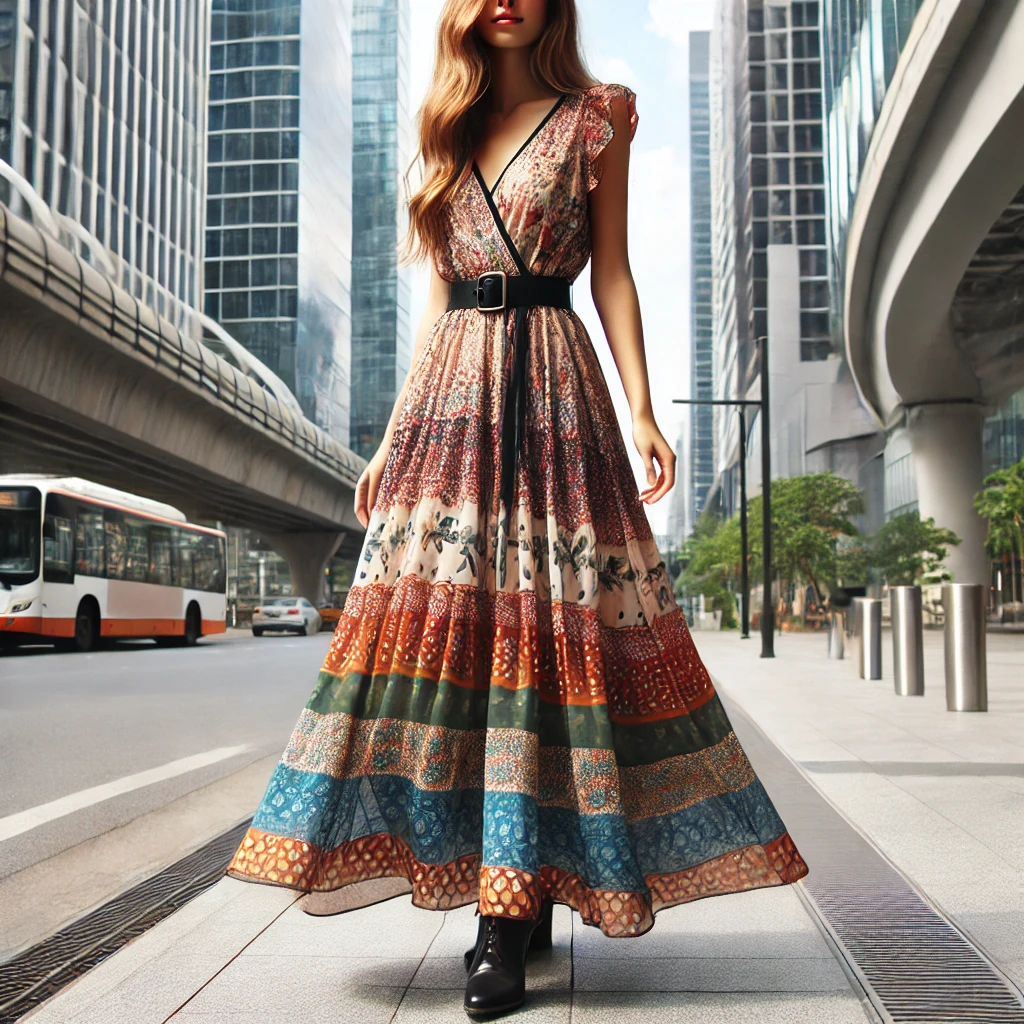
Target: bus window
x=58 y=540
x=187 y=550
x=19 y=535
x=206 y=565
x=89 y=555
x=117 y=544
x=137 y=563
x=160 y=555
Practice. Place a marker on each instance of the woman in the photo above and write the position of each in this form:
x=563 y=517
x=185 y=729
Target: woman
x=512 y=712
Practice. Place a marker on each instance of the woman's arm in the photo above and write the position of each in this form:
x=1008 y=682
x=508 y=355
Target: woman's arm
x=611 y=284
x=369 y=479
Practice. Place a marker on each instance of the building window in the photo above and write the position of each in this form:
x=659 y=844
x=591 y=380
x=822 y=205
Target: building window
x=807 y=138
x=780 y=172
x=810 y=232
x=810 y=201
x=814 y=294
x=813 y=263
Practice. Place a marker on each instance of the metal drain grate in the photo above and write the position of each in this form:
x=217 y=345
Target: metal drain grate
x=911 y=964
x=38 y=973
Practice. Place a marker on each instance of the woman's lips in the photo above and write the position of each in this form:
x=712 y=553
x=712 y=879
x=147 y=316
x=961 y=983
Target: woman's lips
x=507 y=21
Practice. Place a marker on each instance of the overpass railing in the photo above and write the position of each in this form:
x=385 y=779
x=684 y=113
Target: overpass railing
x=41 y=268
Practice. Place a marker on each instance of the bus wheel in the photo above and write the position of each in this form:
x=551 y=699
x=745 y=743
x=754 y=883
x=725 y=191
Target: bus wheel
x=87 y=625
x=193 y=625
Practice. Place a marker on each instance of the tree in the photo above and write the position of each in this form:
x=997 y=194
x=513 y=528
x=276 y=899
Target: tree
x=711 y=554
x=812 y=525
x=812 y=515
x=1001 y=502
x=909 y=550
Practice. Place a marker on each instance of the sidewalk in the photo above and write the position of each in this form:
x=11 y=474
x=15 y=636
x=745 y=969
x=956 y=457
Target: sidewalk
x=941 y=794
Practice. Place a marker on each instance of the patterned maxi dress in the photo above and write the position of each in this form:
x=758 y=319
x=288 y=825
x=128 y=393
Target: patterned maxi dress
x=512 y=707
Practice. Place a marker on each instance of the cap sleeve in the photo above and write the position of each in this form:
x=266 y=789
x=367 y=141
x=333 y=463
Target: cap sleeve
x=597 y=123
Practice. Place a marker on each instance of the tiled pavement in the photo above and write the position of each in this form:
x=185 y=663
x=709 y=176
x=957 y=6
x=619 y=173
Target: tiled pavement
x=244 y=952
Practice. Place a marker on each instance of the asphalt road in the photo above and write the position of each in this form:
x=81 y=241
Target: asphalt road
x=71 y=722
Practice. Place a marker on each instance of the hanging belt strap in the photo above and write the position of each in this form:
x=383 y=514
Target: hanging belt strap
x=496 y=292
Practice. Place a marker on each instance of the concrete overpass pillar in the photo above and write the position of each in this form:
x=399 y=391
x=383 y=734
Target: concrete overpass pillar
x=307 y=555
x=946 y=439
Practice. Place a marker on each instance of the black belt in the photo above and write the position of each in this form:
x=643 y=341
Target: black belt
x=497 y=292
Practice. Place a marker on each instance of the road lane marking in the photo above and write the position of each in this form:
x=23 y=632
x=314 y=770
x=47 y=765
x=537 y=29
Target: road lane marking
x=23 y=821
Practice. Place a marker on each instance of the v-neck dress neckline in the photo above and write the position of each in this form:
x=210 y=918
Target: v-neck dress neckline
x=519 y=152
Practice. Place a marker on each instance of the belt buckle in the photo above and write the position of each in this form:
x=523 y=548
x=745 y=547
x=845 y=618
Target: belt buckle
x=480 y=288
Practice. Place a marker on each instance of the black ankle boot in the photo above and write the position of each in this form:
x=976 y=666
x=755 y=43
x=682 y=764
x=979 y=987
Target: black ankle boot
x=539 y=939
x=497 y=977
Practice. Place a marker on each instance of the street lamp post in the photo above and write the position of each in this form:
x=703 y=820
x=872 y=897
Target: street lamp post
x=767 y=608
x=744 y=568
x=741 y=404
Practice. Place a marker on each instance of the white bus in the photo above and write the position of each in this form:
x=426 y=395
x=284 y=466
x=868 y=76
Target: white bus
x=80 y=562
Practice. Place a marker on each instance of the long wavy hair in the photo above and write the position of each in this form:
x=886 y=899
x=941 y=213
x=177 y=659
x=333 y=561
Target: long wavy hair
x=453 y=112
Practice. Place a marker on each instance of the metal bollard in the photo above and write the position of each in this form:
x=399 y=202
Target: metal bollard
x=835 y=637
x=871 y=639
x=966 y=667
x=907 y=641
x=857 y=633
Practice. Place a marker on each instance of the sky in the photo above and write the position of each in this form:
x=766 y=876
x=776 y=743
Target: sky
x=642 y=44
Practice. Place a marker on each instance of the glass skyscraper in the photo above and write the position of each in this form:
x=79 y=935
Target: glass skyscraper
x=786 y=171
x=771 y=272
x=279 y=206
x=381 y=151
x=861 y=44
x=102 y=111
x=702 y=462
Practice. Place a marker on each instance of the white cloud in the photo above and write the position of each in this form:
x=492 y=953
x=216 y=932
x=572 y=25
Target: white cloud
x=614 y=69
x=676 y=19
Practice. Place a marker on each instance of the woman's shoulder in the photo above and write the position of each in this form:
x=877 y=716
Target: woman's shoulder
x=601 y=98
x=601 y=104
x=601 y=89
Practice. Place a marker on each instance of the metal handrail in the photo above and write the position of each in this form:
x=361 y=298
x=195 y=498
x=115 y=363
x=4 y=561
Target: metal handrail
x=41 y=267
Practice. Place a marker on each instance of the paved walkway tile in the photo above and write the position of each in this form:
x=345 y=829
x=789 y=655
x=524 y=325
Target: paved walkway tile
x=714 y=1008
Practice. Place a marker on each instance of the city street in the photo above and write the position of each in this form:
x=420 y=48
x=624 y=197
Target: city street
x=78 y=730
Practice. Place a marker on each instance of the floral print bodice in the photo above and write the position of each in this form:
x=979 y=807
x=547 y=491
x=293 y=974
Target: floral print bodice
x=541 y=195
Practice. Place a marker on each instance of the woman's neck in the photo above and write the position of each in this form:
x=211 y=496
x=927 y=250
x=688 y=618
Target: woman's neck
x=512 y=81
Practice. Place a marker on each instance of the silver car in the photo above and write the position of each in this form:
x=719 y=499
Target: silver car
x=285 y=615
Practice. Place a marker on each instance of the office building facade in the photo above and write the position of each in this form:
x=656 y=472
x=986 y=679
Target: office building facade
x=818 y=423
x=702 y=456
x=279 y=204
x=733 y=351
x=102 y=111
x=381 y=152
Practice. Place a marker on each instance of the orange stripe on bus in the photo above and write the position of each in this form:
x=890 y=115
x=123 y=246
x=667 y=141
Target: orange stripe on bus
x=39 y=626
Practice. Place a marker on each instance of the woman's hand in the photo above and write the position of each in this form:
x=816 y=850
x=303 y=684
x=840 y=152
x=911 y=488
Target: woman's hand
x=653 y=447
x=366 y=486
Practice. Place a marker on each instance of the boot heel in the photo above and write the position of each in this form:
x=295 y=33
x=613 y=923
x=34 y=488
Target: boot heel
x=540 y=937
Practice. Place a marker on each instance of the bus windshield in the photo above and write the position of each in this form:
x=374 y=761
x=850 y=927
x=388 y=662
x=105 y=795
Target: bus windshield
x=19 y=535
